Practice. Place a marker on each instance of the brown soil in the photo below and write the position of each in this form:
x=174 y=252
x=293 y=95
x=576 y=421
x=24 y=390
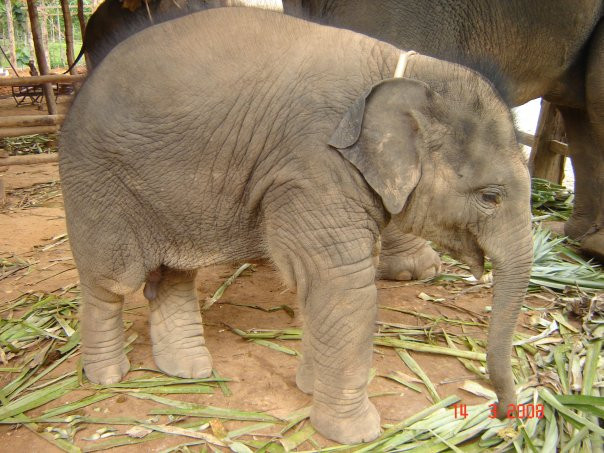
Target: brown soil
x=263 y=379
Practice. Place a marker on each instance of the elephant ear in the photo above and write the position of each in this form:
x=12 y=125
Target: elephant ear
x=380 y=135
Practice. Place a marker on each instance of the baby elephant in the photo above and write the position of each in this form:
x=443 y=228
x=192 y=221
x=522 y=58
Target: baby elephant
x=254 y=134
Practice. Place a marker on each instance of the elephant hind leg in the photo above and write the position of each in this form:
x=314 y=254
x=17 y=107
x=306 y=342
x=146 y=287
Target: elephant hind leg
x=176 y=327
x=102 y=333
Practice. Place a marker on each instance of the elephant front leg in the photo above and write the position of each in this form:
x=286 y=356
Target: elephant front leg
x=305 y=374
x=102 y=334
x=340 y=330
x=587 y=221
x=406 y=257
x=336 y=289
x=176 y=327
x=326 y=247
x=593 y=242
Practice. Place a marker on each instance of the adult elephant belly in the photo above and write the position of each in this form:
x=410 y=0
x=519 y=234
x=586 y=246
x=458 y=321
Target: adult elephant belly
x=526 y=50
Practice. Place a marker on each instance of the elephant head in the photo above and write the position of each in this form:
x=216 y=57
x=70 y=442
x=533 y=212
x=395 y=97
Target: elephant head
x=447 y=167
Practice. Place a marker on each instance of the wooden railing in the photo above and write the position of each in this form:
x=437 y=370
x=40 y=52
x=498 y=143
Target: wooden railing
x=15 y=126
x=548 y=151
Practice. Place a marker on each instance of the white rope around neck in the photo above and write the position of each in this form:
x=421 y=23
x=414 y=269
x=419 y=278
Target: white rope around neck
x=401 y=66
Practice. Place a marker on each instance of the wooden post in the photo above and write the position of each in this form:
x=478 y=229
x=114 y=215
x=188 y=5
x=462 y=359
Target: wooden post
x=68 y=33
x=548 y=152
x=42 y=63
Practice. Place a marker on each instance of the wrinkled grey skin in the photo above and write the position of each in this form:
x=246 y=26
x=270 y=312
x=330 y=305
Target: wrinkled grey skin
x=552 y=49
x=299 y=155
x=404 y=257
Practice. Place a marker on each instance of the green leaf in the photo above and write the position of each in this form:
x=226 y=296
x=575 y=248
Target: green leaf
x=581 y=400
x=38 y=398
x=299 y=437
x=220 y=291
x=217 y=412
x=223 y=386
x=429 y=348
x=65 y=408
x=396 y=377
x=238 y=447
x=413 y=366
x=549 y=398
x=275 y=347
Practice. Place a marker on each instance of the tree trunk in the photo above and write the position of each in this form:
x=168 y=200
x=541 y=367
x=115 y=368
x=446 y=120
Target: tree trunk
x=29 y=39
x=50 y=18
x=12 y=49
x=43 y=21
x=63 y=38
x=81 y=17
x=42 y=63
x=82 y=20
x=68 y=33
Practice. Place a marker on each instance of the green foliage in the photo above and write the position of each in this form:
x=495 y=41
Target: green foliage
x=551 y=200
x=558 y=267
x=54 y=21
x=22 y=56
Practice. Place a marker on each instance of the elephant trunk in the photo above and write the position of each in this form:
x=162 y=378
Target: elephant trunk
x=511 y=252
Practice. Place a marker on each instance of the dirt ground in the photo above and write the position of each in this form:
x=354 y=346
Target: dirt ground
x=31 y=228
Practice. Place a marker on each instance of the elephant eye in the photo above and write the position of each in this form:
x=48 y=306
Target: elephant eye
x=490 y=197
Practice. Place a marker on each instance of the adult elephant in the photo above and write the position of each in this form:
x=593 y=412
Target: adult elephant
x=115 y=20
x=528 y=49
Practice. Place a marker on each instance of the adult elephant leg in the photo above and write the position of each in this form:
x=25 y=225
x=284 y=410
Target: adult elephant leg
x=593 y=241
x=176 y=327
x=333 y=268
x=406 y=257
x=588 y=165
x=102 y=335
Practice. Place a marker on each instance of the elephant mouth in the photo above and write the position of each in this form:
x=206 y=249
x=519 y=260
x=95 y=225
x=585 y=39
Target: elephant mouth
x=467 y=250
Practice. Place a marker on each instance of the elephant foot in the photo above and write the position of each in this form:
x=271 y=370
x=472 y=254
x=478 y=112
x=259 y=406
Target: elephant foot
x=576 y=227
x=593 y=245
x=305 y=378
x=176 y=327
x=107 y=372
x=419 y=262
x=588 y=234
x=193 y=363
x=179 y=347
x=363 y=426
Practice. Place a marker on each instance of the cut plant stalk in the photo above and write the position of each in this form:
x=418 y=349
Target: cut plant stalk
x=220 y=291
